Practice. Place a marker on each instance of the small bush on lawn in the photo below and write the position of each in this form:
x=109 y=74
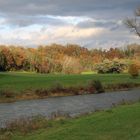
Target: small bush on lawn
x=133 y=70
x=95 y=86
x=98 y=86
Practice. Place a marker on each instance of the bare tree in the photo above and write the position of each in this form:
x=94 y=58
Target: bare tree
x=134 y=23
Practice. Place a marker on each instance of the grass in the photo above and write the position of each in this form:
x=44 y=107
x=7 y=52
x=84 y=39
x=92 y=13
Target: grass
x=22 y=86
x=20 y=82
x=121 y=123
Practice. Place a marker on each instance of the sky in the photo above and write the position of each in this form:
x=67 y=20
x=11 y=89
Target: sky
x=90 y=23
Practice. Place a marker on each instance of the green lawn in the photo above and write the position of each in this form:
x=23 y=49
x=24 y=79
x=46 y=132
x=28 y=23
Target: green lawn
x=121 y=123
x=23 y=81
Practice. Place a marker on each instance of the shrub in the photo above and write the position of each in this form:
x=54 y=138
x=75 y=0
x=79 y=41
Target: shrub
x=133 y=70
x=95 y=86
x=98 y=86
x=107 y=66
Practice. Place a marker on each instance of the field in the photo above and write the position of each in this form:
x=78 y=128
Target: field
x=26 y=81
x=121 y=123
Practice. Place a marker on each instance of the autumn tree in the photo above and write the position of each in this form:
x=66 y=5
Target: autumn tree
x=3 y=62
x=71 y=65
x=10 y=62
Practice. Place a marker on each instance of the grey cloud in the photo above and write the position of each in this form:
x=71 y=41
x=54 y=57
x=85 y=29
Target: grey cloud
x=111 y=25
x=29 y=12
x=26 y=12
x=30 y=20
x=63 y=7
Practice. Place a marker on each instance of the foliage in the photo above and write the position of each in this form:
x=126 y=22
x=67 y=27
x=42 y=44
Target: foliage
x=57 y=58
x=71 y=65
x=133 y=70
x=3 y=62
x=107 y=66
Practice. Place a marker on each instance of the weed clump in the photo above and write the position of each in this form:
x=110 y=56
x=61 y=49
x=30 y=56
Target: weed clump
x=95 y=86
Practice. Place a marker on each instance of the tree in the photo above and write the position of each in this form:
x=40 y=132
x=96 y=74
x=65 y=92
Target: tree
x=10 y=63
x=3 y=62
x=71 y=65
x=134 y=23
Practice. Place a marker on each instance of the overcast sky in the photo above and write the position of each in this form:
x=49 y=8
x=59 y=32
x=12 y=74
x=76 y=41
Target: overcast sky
x=90 y=23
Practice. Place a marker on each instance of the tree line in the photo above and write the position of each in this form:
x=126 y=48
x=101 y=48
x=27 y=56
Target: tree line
x=57 y=58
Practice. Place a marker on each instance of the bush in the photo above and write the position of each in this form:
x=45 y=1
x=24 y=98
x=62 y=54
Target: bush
x=133 y=70
x=95 y=86
x=107 y=66
x=98 y=86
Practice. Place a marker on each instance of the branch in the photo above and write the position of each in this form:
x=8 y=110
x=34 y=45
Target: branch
x=137 y=12
x=133 y=24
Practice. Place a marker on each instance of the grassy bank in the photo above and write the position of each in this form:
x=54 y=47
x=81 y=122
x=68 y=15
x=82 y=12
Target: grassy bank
x=121 y=123
x=24 y=81
x=20 y=86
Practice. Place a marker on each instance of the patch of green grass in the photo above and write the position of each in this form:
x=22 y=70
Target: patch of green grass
x=121 y=123
x=20 y=82
x=89 y=72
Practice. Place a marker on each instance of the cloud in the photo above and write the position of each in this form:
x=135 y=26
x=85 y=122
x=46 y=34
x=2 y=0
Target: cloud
x=24 y=13
x=43 y=35
x=108 y=24
x=86 y=22
x=62 y=7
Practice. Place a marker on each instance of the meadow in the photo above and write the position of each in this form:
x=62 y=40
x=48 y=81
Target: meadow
x=121 y=123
